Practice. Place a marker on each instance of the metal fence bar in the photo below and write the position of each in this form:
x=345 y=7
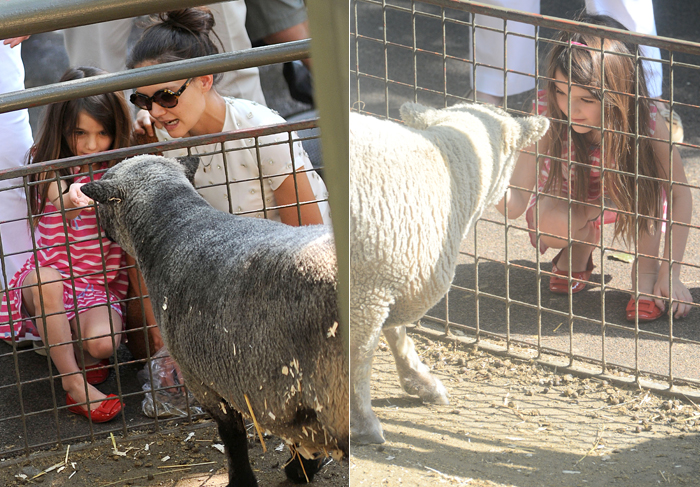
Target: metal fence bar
x=25 y=17
x=159 y=73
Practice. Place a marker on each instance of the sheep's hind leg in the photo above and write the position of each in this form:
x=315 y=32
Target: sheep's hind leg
x=414 y=375
x=364 y=425
x=298 y=469
x=235 y=439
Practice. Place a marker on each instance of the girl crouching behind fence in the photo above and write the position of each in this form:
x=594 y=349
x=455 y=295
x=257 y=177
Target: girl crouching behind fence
x=574 y=93
x=68 y=293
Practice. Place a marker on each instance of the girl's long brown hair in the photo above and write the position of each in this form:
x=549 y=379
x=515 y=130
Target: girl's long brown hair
x=58 y=130
x=618 y=107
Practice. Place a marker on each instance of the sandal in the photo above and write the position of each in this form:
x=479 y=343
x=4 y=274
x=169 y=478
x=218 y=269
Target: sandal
x=648 y=311
x=558 y=285
x=97 y=373
x=108 y=409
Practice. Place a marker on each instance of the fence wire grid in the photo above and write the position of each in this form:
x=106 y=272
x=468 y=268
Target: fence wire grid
x=33 y=410
x=425 y=52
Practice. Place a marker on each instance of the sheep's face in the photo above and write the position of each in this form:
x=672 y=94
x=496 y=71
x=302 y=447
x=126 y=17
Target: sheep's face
x=134 y=187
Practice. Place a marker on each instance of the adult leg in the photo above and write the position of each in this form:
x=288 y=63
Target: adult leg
x=414 y=375
x=489 y=49
x=230 y=27
x=637 y=16
x=46 y=303
x=15 y=140
x=101 y=45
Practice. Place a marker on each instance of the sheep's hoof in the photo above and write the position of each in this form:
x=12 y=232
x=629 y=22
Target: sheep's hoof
x=367 y=436
x=295 y=473
x=427 y=387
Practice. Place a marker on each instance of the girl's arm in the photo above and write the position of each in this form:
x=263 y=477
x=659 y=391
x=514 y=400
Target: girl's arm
x=524 y=176
x=681 y=208
x=74 y=201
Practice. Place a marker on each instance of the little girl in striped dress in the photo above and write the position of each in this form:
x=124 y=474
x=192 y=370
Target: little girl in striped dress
x=69 y=292
x=597 y=104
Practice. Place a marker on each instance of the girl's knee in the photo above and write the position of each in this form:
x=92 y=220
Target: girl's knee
x=101 y=347
x=49 y=293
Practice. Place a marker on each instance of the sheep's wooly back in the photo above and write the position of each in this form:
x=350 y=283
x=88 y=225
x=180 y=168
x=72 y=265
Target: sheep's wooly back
x=247 y=307
x=415 y=190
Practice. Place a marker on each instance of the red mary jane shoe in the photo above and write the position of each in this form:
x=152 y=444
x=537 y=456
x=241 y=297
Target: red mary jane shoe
x=648 y=311
x=558 y=285
x=108 y=409
x=97 y=373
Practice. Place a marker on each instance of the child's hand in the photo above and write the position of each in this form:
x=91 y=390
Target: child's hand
x=77 y=197
x=680 y=310
x=144 y=123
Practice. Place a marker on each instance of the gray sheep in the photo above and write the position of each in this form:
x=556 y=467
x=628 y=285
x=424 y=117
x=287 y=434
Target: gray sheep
x=415 y=191
x=247 y=307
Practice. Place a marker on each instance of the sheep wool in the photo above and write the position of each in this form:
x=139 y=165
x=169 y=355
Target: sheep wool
x=247 y=308
x=415 y=191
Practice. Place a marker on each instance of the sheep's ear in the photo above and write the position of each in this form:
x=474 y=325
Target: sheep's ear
x=191 y=163
x=416 y=115
x=519 y=132
x=102 y=191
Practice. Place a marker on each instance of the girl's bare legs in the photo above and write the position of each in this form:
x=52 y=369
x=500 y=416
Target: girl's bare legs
x=648 y=268
x=58 y=330
x=95 y=323
x=556 y=223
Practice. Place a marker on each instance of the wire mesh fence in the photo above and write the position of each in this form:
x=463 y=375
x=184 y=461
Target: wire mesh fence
x=429 y=52
x=33 y=405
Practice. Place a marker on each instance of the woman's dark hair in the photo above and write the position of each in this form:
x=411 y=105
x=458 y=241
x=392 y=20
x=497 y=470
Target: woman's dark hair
x=175 y=36
x=57 y=131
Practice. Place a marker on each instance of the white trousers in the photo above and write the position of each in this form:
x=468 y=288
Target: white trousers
x=15 y=141
x=104 y=46
x=636 y=15
x=489 y=49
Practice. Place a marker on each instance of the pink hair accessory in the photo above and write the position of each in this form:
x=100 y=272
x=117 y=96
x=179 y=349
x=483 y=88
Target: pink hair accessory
x=574 y=43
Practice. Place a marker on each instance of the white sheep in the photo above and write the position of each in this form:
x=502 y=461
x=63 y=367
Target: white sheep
x=415 y=191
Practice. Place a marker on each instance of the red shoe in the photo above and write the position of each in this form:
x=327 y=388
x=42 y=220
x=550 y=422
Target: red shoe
x=648 y=311
x=108 y=409
x=97 y=373
x=561 y=286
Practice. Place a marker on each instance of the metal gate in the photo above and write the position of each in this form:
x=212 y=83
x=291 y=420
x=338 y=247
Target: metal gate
x=33 y=413
x=426 y=52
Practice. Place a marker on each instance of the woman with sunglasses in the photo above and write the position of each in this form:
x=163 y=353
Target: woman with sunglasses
x=190 y=107
x=229 y=181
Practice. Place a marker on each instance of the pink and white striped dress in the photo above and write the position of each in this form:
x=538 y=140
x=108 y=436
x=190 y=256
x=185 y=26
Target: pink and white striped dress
x=594 y=174
x=90 y=278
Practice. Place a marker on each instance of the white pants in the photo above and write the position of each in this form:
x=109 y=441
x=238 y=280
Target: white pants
x=636 y=15
x=104 y=46
x=489 y=49
x=15 y=141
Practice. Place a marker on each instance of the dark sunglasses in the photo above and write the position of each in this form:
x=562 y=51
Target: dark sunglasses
x=164 y=98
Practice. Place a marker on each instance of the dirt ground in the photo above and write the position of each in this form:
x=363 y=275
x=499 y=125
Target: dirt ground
x=517 y=423
x=181 y=456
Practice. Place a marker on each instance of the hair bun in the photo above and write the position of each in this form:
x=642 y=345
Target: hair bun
x=195 y=19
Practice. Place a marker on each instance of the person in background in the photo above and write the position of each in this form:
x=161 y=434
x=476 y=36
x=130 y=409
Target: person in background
x=15 y=140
